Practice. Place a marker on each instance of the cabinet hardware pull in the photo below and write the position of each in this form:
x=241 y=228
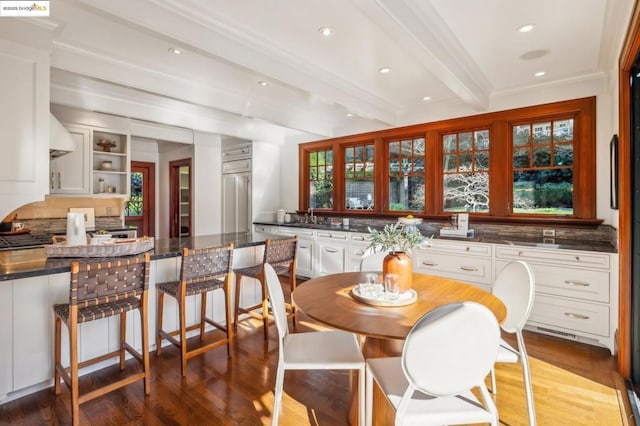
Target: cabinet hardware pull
x=467 y=248
x=576 y=316
x=429 y=264
x=328 y=250
x=577 y=258
x=520 y=253
x=59 y=179
x=578 y=283
x=469 y=268
x=302 y=247
x=358 y=238
x=360 y=252
x=51 y=180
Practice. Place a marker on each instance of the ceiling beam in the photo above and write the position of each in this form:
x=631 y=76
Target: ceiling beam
x=418 y=26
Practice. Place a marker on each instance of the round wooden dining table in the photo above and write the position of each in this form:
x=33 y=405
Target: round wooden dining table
x=328 y=300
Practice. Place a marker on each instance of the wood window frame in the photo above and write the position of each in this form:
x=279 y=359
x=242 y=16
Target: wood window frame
x=384 y=165
x=499 y=123
x=376 y=172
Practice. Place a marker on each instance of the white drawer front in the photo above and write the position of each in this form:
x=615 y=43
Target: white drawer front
x=332 y=235
x=300 y=232
x=565 y=257
x=360 y=238
x=571 y=315
x=569 y=282
x=474 y=249
x=466 y=268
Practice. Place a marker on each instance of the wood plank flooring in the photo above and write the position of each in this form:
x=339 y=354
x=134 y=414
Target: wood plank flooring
x=574 y=384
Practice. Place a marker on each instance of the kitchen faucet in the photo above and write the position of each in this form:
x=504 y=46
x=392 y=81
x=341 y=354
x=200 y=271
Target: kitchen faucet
x=313 y=218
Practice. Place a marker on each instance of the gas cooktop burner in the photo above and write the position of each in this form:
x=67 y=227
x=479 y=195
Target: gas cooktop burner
x=10 y=242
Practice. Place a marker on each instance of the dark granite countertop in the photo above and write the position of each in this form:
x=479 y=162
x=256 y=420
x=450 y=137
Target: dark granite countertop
x=547 y=243
x=15 y=264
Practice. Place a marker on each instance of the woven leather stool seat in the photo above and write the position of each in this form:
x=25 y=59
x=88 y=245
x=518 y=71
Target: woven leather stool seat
x=98 y=290
x=92 y=313
x=202 y=271
x=172 y=288
x=281 y=255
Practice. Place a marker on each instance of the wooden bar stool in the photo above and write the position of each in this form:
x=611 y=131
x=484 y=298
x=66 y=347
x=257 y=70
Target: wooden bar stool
x=203 y=270
x=281 y=254
x=100 y=290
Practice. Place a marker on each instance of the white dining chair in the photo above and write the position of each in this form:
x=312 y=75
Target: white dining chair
x=515 y=286
x=317 y=350
x=447 y=353
x=372 y=261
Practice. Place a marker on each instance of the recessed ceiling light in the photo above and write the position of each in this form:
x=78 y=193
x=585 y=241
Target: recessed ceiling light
x=385 y=70
x=326 y=31
x=526 y=28
x=263 y=83
x=349 y=114
x=426 y=98
x=539 y=74
x=175 y=51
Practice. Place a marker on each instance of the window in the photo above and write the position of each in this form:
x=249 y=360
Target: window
x=406 y=182
x=465 y=168
x=359 y=185
x=527 y=165
x=133 y=207
x=321 y=179
x=543 y=167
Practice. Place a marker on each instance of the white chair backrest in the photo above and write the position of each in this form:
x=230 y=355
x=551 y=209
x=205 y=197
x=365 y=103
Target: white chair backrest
x=277 y=301
x=515 y=286
x=372 y=261
x=451 y=349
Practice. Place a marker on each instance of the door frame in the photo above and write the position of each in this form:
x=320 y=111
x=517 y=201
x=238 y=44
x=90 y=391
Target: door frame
x=148 y=170
x=630 y=50
x=174 y=196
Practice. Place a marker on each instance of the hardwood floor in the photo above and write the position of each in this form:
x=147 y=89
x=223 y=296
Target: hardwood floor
x=574 y=384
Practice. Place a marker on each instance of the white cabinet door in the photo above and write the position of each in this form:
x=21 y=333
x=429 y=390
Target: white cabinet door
x=70 y=173
x=24 y=120
x=304 y=262
x=236 y=202
x=332 y=252
x=32 y=317
x=357 y=247
x=6 y=321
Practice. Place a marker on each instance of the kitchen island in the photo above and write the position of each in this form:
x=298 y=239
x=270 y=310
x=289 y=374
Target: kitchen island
x=23 y=263
x=30 y=284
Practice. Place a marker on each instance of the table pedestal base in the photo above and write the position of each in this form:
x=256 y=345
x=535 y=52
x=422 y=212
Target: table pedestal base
x=383 y=414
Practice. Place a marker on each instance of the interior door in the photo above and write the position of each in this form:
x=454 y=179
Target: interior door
x=180 y=205
x=139 y=210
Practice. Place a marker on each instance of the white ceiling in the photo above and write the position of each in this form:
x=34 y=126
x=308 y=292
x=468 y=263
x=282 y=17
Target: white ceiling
x=457 y=52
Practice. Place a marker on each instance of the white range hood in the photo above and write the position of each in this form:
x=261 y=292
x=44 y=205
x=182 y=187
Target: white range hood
x=60 y=141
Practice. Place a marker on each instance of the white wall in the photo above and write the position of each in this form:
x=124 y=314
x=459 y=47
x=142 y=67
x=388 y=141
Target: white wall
x=207 y=184
x=266 y=170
